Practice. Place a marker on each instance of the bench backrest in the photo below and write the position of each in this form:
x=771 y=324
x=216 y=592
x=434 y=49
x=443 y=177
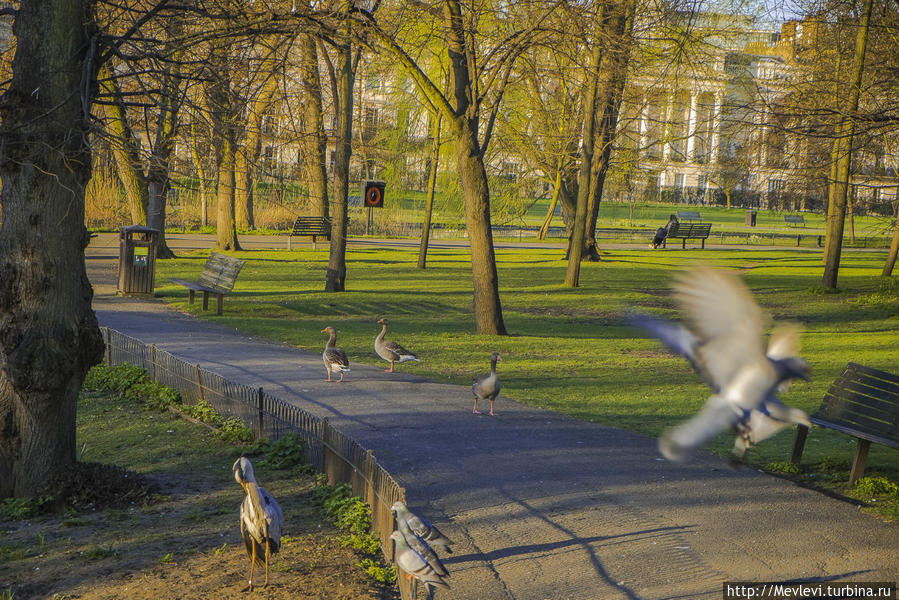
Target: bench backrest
x=794 y=219
x=863 y=399
x=690 y=230
x=689 y=215
x=221 y=271
x=311 y=226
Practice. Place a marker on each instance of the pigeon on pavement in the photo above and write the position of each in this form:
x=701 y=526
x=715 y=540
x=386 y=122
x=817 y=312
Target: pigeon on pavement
x=421 y=527
x=724 y=341
x=414 y=564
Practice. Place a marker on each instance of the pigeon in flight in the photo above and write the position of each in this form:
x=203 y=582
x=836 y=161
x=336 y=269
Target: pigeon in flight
x=724 y=340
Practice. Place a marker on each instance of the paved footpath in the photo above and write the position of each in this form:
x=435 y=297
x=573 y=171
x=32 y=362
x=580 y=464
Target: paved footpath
x=542 y=506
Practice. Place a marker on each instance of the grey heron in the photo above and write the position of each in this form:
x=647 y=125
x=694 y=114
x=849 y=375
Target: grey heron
x=260 y=519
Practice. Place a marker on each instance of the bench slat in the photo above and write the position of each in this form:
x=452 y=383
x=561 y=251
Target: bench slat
x=855 y=432
x=311 y=226
x=862 y=394
x=846 y=400
x=858 y=422
x=875 y=374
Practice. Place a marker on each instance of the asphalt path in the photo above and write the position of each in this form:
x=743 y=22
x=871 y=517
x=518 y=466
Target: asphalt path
x=542 y=506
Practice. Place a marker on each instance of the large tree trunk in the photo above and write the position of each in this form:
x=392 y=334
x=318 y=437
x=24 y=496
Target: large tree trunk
x=470 y=157
x=315 y=141
x=335 y=279
x=163 y=148
x=49 y=335
x=836 y=216
x=894 y=245
x=437 y=120
x=248 y=156
x=488 y=311
x=125 y=149
x=223 y=115
x=225 y=224
x=576 y=245
x=202 y=177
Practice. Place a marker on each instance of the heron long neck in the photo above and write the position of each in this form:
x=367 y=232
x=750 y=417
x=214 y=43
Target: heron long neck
x=255 y=498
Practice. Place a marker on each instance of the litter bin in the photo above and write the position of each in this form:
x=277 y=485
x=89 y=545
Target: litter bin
x=137 y=260
x=750 y=218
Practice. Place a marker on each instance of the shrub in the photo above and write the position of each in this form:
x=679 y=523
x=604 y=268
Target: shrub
x=153 y=395
x=17 y=509
x=876 y=486
x=116 y=379
x=203 y=411
x=377 y=571
x=285 y=452
x=233 y=429
x=783 y=467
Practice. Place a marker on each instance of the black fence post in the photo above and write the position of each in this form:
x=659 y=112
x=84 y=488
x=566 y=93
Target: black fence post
x=260 y=415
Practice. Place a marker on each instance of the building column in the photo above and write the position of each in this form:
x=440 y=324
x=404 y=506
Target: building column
x=691 y=126
x=643 y=124
x=666 y=126
x=716 y=127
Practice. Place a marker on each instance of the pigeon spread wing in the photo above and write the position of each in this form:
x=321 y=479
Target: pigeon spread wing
x=722 y=313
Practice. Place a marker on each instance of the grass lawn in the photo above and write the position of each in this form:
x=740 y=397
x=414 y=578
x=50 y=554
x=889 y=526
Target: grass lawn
x=409 y=208
x=184 y=540
x=571 y=350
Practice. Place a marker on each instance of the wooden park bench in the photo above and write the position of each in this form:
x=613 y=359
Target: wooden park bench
x=688 y=231
x=794 y=220
x=218 y=277
x=688 y=215
x=864 y=403
x=315 y=227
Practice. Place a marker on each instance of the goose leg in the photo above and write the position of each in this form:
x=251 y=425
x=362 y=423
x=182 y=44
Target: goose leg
x=390 y=370
x=329 y=375
x=266 y=563
x=475 y=409
x=492 y=414
x=252 y=562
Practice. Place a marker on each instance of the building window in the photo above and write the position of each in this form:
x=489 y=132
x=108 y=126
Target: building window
x=370 y=121
x=775 y=186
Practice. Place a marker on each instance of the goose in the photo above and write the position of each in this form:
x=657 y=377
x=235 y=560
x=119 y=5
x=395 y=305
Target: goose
x=726 y=346
x=486 y=387
x=334 y=358
x=260 y=519
x=390 y=350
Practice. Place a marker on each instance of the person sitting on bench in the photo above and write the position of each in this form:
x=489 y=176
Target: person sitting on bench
x=662 y=232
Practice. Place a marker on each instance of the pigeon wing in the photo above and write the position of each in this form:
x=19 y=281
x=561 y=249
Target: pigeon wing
x=722 y=313
x=716 y=416
x=678 y=340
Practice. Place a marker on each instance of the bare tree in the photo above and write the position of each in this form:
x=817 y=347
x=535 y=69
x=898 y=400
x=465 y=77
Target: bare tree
x=478 y=82
x=836 y=213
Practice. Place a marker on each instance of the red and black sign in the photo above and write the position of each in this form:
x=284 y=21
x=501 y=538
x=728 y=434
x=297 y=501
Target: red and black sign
x=373 y=194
